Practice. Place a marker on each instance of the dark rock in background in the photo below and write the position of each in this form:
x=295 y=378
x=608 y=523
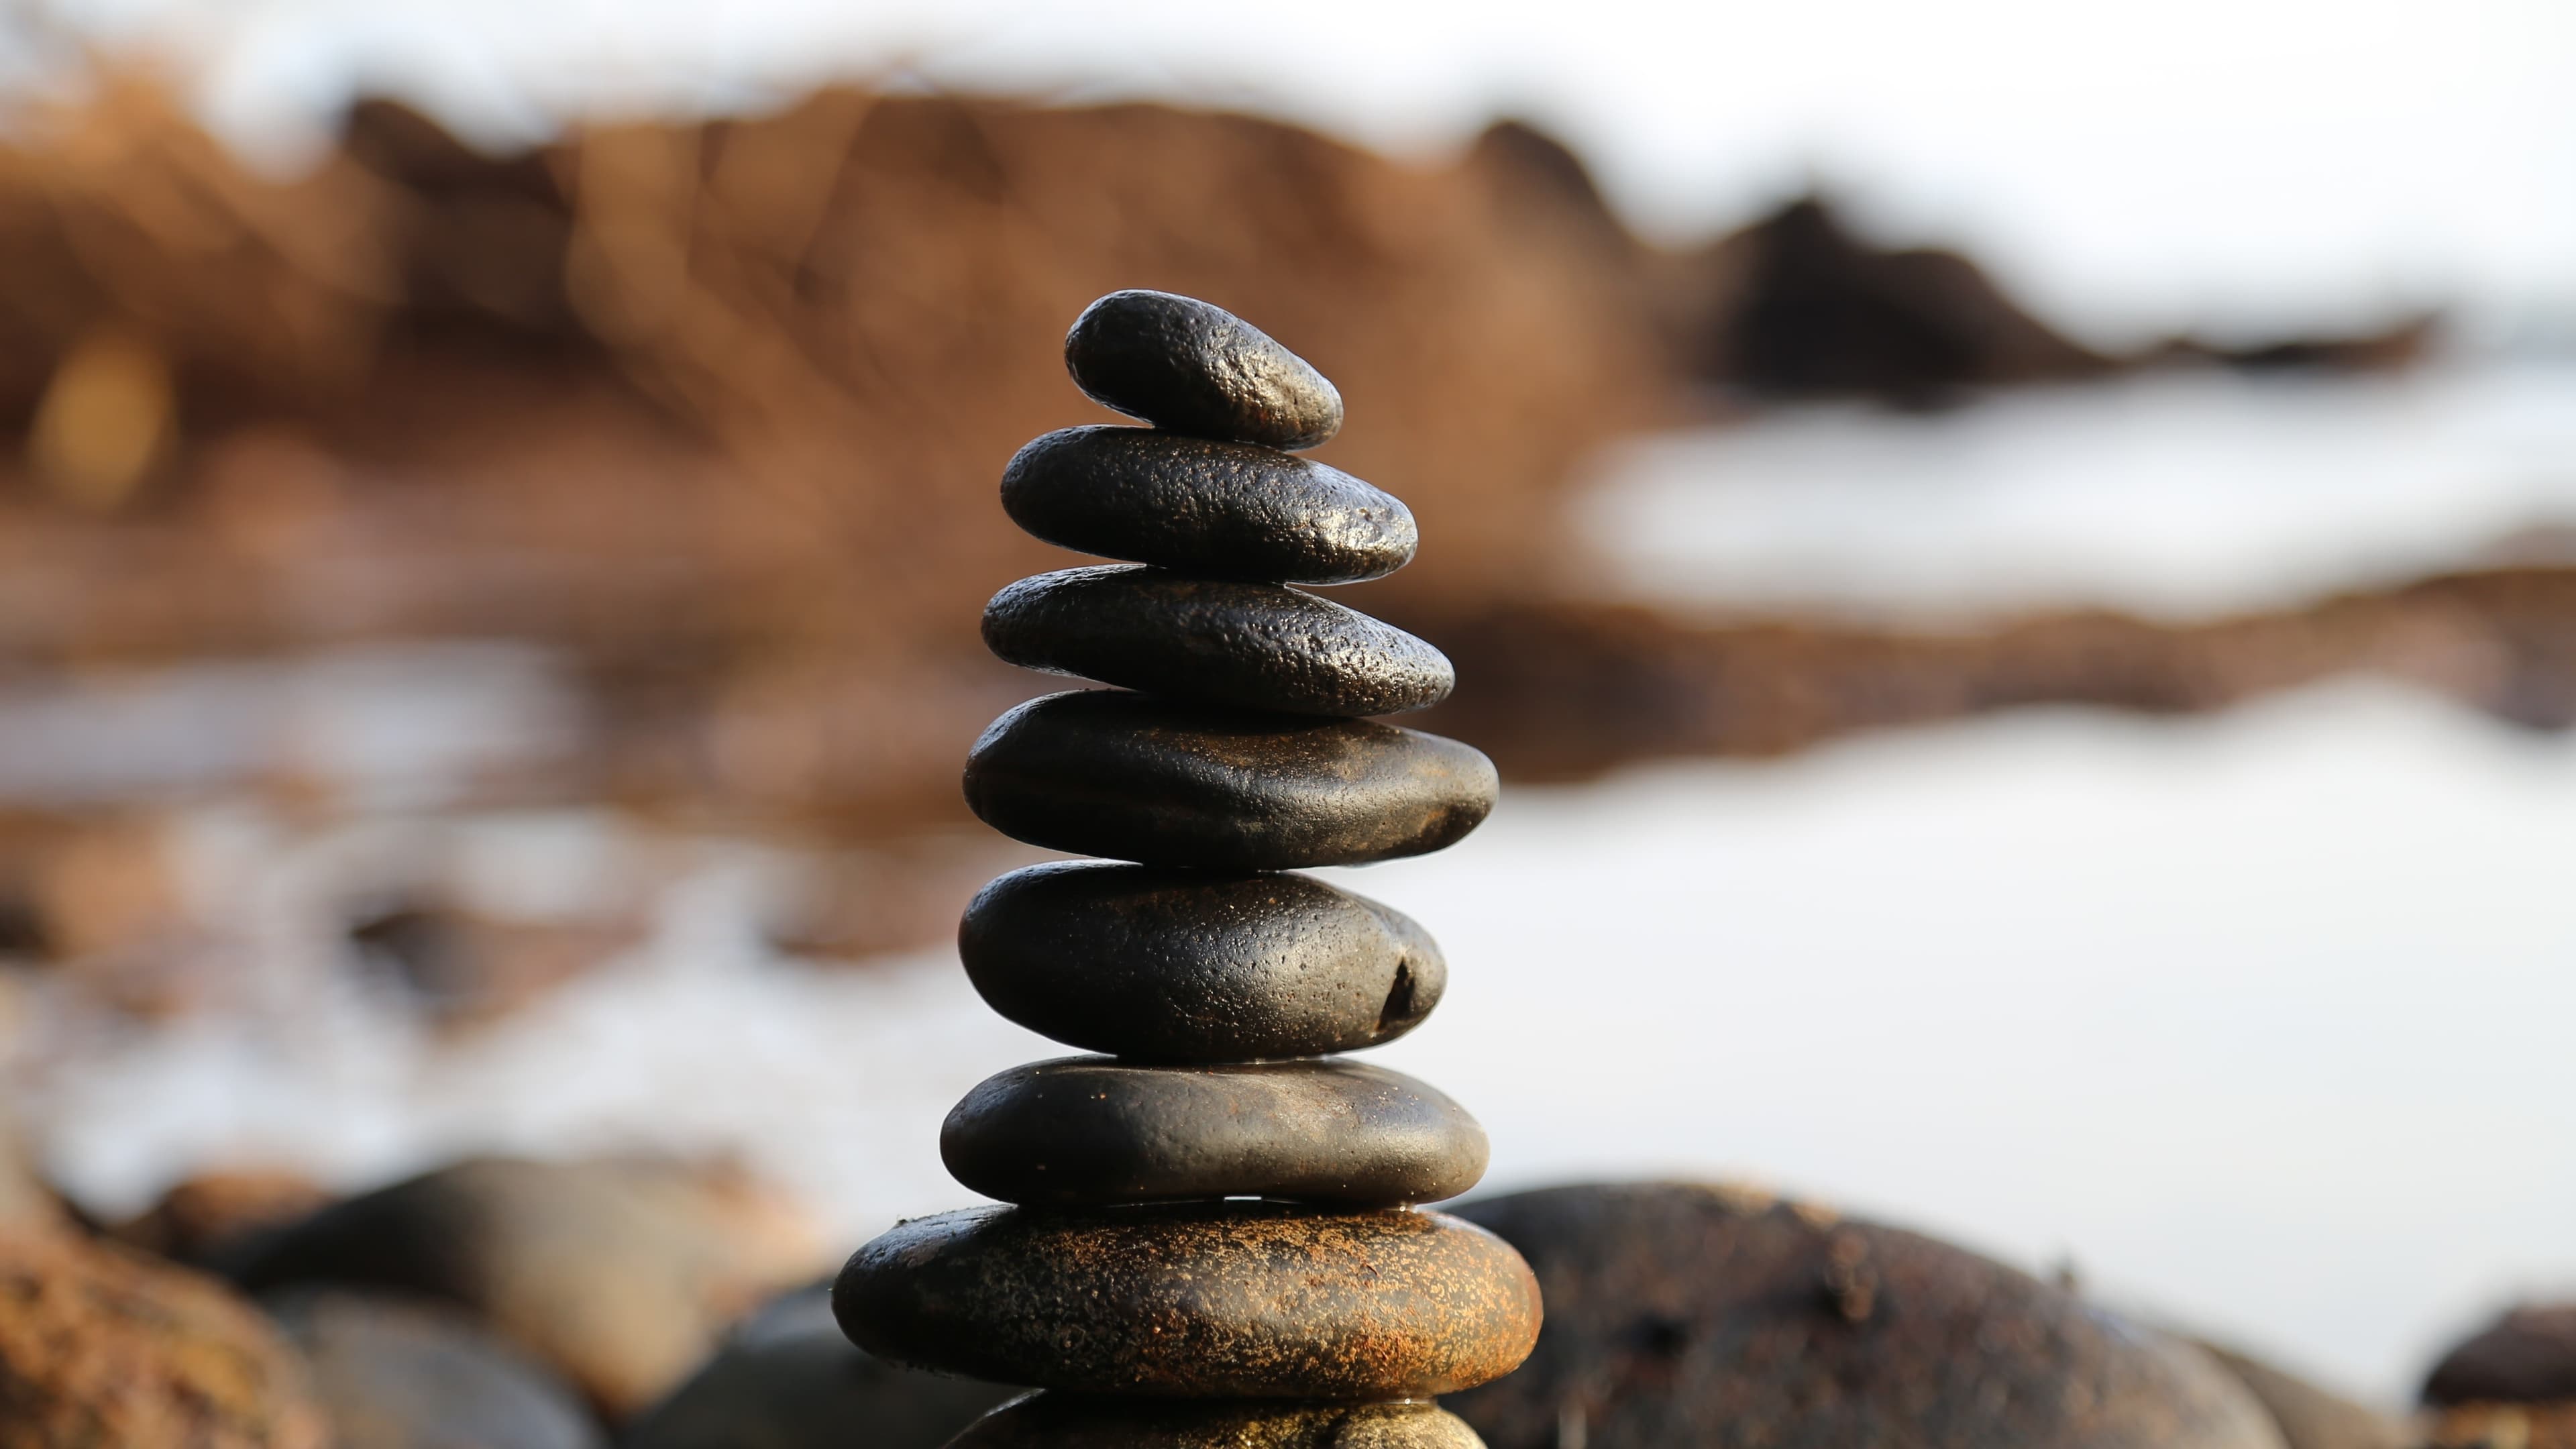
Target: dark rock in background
x=787 y=1378
x=619 y=1275
x=1683 y=1314
x=102 y=1346
x=2527 y=1356
x=392 y=1374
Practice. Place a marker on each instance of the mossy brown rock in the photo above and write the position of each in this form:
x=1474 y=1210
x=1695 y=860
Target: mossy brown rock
x=1106 y=772
x=1684 y=1314
x=1207 y=1300
x=1182 y=364
x=1186 y=966
x=1093 y=1131
x=1249 y=646
x=1221 y=510
x=620 y=1275
x=101 y=1346
x=1053 y=1420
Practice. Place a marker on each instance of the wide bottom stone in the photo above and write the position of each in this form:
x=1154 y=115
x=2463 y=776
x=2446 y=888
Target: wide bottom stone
x=1076 y=1421
x=1240 y=1300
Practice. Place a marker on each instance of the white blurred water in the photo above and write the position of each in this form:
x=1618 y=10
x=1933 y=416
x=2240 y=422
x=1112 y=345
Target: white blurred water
x=2260 y=1020
x=2181 y=496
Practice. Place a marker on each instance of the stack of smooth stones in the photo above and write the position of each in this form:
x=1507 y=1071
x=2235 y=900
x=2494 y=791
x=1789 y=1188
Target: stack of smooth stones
x=1211 y=1238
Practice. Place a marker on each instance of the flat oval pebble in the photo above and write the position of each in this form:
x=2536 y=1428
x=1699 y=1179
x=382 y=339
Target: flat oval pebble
x=1222 y=510
x=1252 y=646
x=1109 y=773
x=1182 y=364
x=1183 y=966
x=1206 y=1300
x=1094 y=1131
x=1052 y=1420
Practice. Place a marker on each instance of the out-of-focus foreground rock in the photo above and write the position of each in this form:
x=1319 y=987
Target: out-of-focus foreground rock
x=1680 y=1314
x=621 y=1276
x=101 y=1345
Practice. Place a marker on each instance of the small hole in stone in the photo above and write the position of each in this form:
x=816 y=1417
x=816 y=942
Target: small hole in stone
x=1399 y=1000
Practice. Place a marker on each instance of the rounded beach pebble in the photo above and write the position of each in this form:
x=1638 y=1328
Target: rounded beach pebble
x=1185 y=365
x=1221 y=510
x=1185 y=966
x=1204 y=1300
x=1251 y=646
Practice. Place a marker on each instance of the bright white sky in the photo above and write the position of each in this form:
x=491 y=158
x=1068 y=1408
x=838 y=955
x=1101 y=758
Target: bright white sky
x=2129 y=167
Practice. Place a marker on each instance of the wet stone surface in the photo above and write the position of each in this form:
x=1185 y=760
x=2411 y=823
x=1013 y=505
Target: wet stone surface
x=1184 y=966
x=1109 y=773
x=1209 y=1300
x=1251 y=646
x=1182 y=364
x=1218 y=510
x=1685 y=1314
x=1053 y=1420
x=1091 y=1131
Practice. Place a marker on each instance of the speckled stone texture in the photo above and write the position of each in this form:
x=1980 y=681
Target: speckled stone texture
x=1186 y=966
x=1181 y=364
x=1130 y=777
x=1683 y=1314
x=1072 y=1421
x=1092 y=1131
x=1216 y=510
x=101 y=1346
x=1207 y=1300
x=1250 y=646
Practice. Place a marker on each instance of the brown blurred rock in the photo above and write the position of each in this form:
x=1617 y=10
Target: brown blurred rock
x=212 y=1218
x=392 y=1374
x=27 y=1205
x=621 y=1275
x=788 y=1378
x=1681 y=1314
x=2309 y=1417
x=101 y=1346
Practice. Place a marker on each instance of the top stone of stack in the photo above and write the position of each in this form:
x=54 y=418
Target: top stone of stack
x=1187 y=367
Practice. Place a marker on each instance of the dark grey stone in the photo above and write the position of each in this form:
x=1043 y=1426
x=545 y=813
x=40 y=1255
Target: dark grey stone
x=392 y=1374
x=1182 y=364
x=1685 y=1314
x=1185 y=966
x=1207 y=1300
x=2527 y=1356
x=1251 y=646
x=1094 y=1132
x=787 y=1379
x=1052 y=1420
x=1220 y=510
x=1109 y=773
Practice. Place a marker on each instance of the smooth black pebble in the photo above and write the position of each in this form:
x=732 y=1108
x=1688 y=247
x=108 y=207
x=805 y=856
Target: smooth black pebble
x=1252 y=646
x=1221 y=510
x=1185 y=966
x=1110 y=773
x=1182 y=364
x=1096 y=1132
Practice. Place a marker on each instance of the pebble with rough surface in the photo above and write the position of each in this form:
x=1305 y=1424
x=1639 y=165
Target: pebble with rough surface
x=1075 y=1421
x=1203 y=1300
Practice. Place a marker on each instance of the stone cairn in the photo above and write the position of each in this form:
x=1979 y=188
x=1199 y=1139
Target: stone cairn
x=1211 y=1239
